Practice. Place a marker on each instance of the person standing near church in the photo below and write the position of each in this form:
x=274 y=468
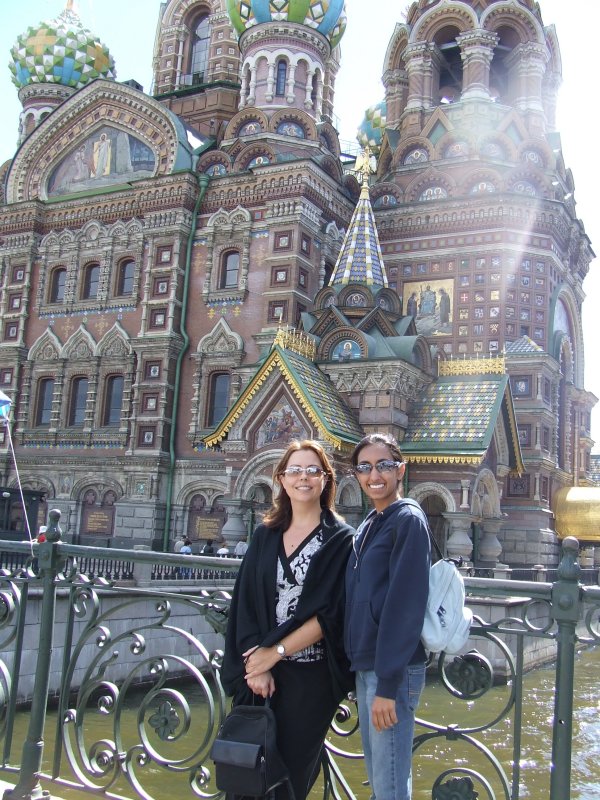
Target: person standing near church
x=387 y=585
x=284 y=635
x=240 y=548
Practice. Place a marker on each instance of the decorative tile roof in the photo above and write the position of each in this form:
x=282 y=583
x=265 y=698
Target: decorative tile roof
x=314 y=391
x=326 y=16
x=61 y=51
x=360 y=259
x=454 y=421
x=523 y=347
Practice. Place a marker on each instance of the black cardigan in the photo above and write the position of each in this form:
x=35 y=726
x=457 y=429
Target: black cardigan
x=252 y=620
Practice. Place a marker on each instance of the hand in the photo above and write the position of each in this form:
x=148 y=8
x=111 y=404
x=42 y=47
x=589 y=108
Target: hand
x=262 y=684
x=259 y=660
x=383 y=713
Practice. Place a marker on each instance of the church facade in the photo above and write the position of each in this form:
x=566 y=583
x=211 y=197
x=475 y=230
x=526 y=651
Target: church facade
x=192 y=278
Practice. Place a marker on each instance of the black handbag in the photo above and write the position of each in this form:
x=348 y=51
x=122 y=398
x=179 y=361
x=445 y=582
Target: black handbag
x=247 y=761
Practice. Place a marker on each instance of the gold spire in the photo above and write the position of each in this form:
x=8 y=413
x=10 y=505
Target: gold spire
x=362 y=166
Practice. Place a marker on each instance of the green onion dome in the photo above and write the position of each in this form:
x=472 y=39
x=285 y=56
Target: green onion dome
x=61 y=51
x=326 y=16
x=370 y=131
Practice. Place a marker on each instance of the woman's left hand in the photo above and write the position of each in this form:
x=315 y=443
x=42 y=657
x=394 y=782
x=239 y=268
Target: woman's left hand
x=259 y=660
x=383 y=713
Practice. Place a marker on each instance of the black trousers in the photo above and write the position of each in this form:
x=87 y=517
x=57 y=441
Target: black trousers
x=304 y=706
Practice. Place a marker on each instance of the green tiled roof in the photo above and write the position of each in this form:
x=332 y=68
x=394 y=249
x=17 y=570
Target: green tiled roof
x=456 y=417
x=323 y=396
x=523 y=347
x=315 y=392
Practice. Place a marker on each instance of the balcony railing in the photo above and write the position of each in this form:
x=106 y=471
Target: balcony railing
x=150 y=625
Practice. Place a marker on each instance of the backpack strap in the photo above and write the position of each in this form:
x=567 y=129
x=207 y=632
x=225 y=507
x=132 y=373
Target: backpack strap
x=408 y=501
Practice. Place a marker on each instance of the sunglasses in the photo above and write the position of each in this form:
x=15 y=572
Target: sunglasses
x=385 y=465
x=311 y=472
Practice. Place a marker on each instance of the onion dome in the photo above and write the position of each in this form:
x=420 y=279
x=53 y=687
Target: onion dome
x=370 y=131
x=61 y=51
x=326 y=16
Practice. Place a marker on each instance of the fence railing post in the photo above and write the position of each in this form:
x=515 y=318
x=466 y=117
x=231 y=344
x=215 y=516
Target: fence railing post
x=28 y=786
x=566 y=610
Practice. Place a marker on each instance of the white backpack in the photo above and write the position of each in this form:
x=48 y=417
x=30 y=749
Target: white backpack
x=447 y=620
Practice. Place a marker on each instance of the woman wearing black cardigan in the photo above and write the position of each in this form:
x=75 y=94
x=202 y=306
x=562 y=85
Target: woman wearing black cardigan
x=285 y=630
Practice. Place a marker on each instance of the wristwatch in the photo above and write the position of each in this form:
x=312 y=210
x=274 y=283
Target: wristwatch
x=280 y=649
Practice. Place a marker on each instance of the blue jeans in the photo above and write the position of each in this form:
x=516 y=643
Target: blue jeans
x=388 y=753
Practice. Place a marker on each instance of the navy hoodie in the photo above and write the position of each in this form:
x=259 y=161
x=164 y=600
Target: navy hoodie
x=387 y=584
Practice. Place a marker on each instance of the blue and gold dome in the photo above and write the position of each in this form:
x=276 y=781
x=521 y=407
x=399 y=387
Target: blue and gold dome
x=61 y=51
x=326 y=16
x=370 y=131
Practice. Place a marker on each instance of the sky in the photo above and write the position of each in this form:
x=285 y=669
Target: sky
x=129 y=28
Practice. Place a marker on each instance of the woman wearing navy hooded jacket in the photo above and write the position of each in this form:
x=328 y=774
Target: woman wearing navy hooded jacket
x=387 y=584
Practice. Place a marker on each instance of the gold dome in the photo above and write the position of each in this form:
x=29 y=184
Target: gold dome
x=577 y=512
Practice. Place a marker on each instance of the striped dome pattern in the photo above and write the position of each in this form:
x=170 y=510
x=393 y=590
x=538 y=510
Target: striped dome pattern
x=326 y=16
x=61 y=51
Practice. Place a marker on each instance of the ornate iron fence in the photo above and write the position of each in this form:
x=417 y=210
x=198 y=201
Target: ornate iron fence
x=106 y=642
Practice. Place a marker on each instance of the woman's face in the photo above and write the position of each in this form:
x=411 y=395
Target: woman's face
x=381 y=485
x=304 y=487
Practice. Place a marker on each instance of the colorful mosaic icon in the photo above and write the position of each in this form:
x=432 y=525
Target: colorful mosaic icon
x=61 y=51
x=326 y=16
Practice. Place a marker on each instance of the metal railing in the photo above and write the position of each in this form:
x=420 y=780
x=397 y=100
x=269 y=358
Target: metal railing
x=103 y=641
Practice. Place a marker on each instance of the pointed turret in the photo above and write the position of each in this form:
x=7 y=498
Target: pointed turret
x=360 y=259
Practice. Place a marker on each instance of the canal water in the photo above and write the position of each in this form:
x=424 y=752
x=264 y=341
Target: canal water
x=436 y=704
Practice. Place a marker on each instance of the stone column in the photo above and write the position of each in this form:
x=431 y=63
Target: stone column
x=489 y=546
x=290 y=93
x=477 y=51
x=270 y=82
x=235 y=527
x=459 y=544
x=414 y=56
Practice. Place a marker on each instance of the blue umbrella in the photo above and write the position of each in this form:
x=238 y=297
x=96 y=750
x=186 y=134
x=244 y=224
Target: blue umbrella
x=5 y=403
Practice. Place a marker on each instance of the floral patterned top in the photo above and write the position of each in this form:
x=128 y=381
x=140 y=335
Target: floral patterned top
x=291 y=571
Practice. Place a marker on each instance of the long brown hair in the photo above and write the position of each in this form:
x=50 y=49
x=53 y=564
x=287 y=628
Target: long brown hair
x=280 y=513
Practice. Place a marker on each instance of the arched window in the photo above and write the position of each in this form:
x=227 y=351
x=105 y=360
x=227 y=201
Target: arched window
x=199 y=51
x=90 y=282
x=218 y=398
x=281 y=78
x=43 y=406
x=57 y=285
x=77 y=402
x=230 y=270
x=113 y=400
x=125 y=277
